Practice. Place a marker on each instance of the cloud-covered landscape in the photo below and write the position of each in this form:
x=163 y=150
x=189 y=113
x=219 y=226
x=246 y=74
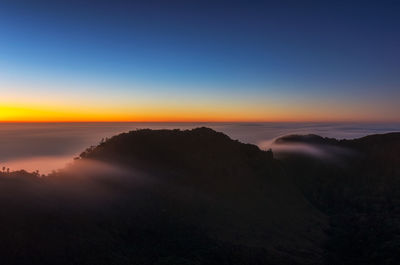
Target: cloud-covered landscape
x=199 y=132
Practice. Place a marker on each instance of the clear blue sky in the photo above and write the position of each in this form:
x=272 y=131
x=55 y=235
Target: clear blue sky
x=200 y=60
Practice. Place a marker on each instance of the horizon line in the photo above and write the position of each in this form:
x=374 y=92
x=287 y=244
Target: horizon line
x=205 y=121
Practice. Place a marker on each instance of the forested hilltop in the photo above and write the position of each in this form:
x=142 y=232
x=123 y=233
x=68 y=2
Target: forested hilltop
x=199 y=197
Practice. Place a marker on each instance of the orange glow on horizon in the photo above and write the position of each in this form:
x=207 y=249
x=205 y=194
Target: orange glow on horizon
x=156 y=113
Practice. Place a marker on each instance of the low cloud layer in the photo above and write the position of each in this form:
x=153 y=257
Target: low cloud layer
x=45 y=147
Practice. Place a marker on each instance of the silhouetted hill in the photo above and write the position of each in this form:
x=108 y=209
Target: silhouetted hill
x=359 y=188
x=241 y=193
x=201 y=150
x=199 y=197
x=370 y=143
x=162 y=197
x=306 y=139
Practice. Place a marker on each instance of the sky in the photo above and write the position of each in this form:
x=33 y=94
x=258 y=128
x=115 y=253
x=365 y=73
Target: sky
x=199 y=61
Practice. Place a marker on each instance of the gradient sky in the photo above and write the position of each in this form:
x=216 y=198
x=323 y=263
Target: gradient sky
x=199 y=61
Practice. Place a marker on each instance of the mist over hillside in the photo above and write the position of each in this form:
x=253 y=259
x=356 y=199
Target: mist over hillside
x=49 y=146
x=198 y=197
x=357 y=184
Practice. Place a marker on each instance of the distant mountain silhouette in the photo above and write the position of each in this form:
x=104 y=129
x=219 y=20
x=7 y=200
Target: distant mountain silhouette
x=199 y=197
x=306 y=139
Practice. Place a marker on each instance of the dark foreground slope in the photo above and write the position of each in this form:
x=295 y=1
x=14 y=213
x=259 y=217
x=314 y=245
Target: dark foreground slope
x=198 y=197
x=357 y=184
x=161 y=197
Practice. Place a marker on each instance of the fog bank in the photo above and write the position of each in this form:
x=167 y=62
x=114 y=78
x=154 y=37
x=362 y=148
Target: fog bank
x=48 y=146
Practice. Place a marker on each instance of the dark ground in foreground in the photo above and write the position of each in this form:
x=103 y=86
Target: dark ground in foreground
x=198 y=197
